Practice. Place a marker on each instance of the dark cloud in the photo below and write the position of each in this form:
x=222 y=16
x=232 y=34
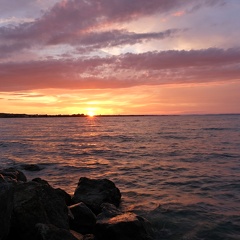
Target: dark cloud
x=180 y=59
x=77 y=22
x=7 y=49
x=98 y=40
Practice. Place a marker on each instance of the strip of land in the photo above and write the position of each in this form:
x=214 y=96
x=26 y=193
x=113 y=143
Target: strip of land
x=20 y=115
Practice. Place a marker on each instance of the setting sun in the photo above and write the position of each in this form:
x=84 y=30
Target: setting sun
x=91 y=114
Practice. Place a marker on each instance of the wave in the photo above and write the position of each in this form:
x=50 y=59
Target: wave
x=220 y=129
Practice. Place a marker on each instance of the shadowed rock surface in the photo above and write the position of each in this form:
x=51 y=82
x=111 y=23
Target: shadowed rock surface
x=59 y=191
x=14 y=174
x=95 y=192
x=84 y=220
x=36 y=203
x=51 y=232
x=127 y=226
x=89 y=237
x=108 y=211
x=6 y=207
x=35 y=211
x=67 y=197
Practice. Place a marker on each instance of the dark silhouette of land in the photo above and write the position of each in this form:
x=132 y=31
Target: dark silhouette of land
x=23 y=115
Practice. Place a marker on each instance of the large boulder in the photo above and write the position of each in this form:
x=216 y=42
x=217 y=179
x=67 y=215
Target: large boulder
x=64 y=195
x=51 y=232
x=13 y=174
x=59 y=191
x=127 y=226
x=94 y=192
x=84 y=220
x=41 y=181
x=6 y=207
x=35 y=203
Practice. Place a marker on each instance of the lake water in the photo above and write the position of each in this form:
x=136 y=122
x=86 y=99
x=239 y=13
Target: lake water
x=181 y=172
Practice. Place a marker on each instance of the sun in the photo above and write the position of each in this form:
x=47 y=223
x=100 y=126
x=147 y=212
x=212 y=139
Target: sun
x=91 y=114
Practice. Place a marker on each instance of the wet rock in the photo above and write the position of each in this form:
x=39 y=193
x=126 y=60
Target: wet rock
x=59 y=191
x=31 y=167
x=41 y=181
x=51 y=232
x=6 y=179
x=84 y=220
x=108 y=211
x=77 y=235
x=94 y=192
x=36 y=203
x=67 y=197
x=89 y=237
x=13 y=174
x=37 y=211
x=127 y=226
x=6 y=207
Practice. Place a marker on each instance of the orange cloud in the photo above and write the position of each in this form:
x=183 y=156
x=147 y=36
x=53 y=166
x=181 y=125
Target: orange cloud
x=179 y=14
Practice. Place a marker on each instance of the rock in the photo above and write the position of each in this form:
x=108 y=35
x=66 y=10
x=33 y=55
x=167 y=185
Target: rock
x=36 y=203
x=84 y=220
x=127 y=226
x=77 y=235
x=51 y=232
x=108 y=211
x=94 y=192
x=67 y=197
x=6 y=207
x=59 y=191
x=41 y=181
x=89 y=237
x=2 y=179
x=31 y=167
x=14 y=174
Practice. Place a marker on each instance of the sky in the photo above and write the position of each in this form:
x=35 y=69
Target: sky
x=120 y=56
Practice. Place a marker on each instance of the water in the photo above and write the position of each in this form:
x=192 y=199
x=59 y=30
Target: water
x=181 y=172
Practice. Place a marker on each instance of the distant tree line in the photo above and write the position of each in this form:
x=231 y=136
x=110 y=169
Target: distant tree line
x=22 y=115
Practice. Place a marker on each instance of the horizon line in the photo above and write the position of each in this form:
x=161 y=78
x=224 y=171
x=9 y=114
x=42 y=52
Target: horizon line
x=27 y=115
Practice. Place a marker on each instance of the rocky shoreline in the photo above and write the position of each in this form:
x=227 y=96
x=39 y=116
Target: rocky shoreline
x=34 y=210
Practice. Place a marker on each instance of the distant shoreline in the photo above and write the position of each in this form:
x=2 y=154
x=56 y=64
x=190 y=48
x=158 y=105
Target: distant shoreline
x=22 y=115
x=19 y=115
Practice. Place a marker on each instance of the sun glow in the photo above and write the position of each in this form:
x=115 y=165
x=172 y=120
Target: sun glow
x=91 y=114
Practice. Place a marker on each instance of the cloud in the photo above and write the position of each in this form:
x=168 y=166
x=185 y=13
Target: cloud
x=13 y=5
x=152 y=68
x=79 y=23
x=180 y=59
x=98 y=40
x=207 y=3
x=7 y=49
x=24 y=7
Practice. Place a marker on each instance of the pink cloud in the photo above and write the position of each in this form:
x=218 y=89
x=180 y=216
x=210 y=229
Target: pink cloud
x=152 y=68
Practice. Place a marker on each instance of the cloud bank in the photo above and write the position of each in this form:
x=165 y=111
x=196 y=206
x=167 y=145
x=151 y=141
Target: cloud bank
x=88 y=27
x=83 y=23
x=151 y=68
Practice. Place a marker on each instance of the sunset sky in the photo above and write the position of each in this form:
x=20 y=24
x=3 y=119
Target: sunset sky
x=120 y=56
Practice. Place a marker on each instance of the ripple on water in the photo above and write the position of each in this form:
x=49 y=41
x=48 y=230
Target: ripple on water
x=187 y=164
